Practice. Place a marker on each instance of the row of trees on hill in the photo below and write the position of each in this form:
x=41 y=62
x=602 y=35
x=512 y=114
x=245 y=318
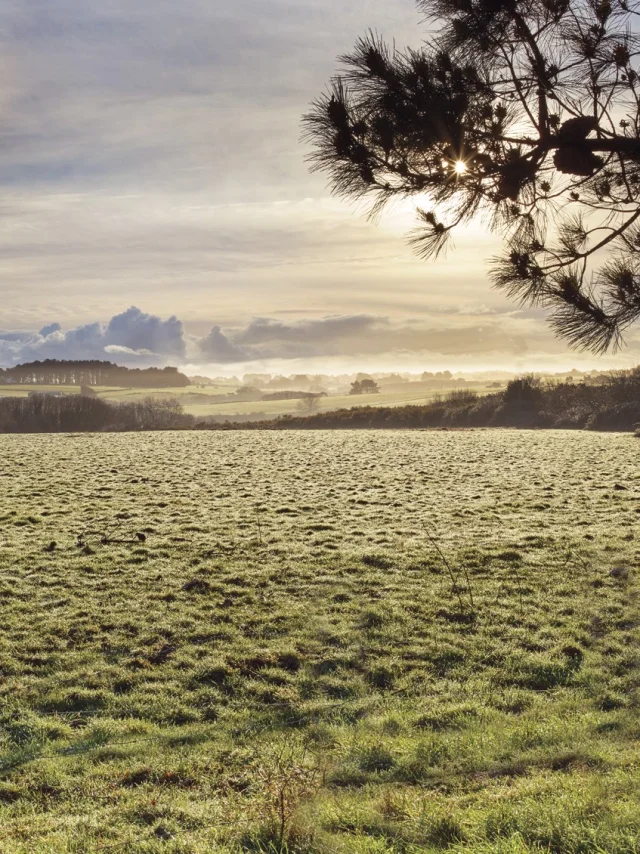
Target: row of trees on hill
x=92 y=373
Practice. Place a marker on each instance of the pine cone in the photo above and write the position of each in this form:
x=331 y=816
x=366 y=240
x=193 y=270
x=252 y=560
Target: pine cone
x=572 y=160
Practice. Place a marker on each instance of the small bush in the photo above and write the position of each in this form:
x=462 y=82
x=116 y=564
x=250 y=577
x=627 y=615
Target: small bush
x=525 y=390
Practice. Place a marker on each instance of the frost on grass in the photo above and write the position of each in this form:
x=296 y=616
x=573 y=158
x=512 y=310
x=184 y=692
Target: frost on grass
x=321 y=642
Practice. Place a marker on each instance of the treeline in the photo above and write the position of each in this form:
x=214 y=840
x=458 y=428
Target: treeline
x=525 y=403
x=79 y=414
x=92 y=373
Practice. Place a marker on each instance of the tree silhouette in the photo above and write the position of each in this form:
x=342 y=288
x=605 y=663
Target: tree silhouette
x=365 y=386
x=369 y=386
x=523 y=112
x=310 y=403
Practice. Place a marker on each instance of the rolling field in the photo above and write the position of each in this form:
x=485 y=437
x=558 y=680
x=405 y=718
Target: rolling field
x=201 y=403
x=272 y=408
x=353 y=642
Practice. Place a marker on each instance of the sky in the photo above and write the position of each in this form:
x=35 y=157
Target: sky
x=157 y=208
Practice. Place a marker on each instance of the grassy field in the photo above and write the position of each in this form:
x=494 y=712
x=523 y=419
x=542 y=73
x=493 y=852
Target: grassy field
x=270 y=408
x=369 y=643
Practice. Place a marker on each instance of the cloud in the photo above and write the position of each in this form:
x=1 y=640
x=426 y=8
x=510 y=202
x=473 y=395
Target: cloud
x=447 y=339
x=50 y=329
x=137 y=337
x=136 y=330
x=216 y=348
x=373 y=336
x=133 y=336
x=266 y=337
x=117 y=350
x=150 y=153
x=334 y=327
x=318 y=344
x=148 y=146
x=269 y=338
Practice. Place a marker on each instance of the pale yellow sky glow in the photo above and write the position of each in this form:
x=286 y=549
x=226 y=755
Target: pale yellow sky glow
x=151 y=157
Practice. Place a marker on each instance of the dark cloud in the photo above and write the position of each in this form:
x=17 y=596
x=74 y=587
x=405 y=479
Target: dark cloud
x=374 y=336
x=51 y=328
x=218 y=349
x=136 y=330
x=308 y=337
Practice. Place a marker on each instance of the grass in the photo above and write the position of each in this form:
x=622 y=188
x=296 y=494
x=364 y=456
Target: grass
x=282 y=664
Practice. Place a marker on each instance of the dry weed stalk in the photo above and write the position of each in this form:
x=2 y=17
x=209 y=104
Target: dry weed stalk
x=454 y=575
x=284 y=782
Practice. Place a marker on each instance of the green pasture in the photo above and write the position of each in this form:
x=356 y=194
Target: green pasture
x=320 y=643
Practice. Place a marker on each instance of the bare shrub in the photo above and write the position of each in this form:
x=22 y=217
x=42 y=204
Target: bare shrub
x=284 y=781
x=308 y=404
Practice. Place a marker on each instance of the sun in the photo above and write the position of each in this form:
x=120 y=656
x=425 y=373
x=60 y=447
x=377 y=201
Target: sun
x=459 y=167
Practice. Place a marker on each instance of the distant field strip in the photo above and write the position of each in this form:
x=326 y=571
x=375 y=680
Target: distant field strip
x=316 y=643
x=211 y=405
x=325 y=404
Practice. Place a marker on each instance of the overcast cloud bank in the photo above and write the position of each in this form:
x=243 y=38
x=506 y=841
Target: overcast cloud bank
x=139 y=339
